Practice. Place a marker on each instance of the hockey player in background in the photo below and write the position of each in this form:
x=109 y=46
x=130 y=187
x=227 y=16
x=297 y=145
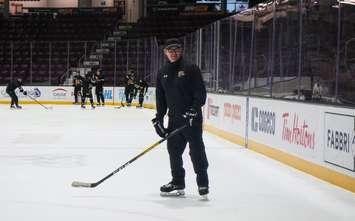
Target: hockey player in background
x=181 y=92
x=129 y=87
x=99 y=88
x=10 y=90
x=88 y=82
x=141 y=89
x=77 y=88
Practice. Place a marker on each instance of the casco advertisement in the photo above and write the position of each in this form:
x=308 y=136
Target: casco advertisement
x=263 y=121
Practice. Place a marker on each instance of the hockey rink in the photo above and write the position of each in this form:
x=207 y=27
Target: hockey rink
x=43 y=151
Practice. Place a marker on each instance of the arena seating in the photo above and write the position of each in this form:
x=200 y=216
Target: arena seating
x=59 y=42
x=172 y=26
x=159 y=26
x=52 y=43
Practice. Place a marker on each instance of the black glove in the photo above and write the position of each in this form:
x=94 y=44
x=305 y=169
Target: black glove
x=159 y=127
x=24 y=92
x=190 y=115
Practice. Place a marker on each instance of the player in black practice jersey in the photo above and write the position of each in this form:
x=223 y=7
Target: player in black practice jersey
x=129 y=88
x=10 y=90
x=99 y=89
x=181 y=90
x=88 y=82
x=77 y=88
x=141 y=89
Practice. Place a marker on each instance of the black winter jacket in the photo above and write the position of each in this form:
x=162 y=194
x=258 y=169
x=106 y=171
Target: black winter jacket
x=179 y=87
x=13 y=84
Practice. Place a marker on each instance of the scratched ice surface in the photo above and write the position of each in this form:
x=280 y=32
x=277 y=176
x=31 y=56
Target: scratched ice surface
x=42 y=152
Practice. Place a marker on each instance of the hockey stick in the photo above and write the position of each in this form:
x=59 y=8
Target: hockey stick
x=48 y=108
x=91 y=185
x=122 y=104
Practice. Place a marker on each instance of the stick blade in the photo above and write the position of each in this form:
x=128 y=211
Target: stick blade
x=81 y=184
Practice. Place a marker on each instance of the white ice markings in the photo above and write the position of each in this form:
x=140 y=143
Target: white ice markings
x=45 y=160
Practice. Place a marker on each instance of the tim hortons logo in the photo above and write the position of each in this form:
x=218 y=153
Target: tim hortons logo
x=296 y=131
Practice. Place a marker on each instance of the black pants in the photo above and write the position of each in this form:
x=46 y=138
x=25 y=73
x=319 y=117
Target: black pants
x=87 y=94
x=13 y=96
x=129 y=92
x=176 y=147
x=141 y=99
x=77 y=92
x=100 y=96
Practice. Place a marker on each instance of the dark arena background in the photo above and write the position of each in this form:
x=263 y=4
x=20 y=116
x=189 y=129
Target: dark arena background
x=276 y=49
x=279 y=117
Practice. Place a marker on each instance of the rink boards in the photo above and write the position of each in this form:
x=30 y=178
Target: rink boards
x=317 y=139
x=65 y=95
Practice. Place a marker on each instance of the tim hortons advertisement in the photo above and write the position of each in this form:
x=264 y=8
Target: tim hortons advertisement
x=297 y=130
x=339 y=140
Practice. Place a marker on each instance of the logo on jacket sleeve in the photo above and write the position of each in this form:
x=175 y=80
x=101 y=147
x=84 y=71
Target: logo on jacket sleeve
x=181 y=74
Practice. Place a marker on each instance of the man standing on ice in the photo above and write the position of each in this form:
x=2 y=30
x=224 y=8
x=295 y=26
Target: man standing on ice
x=180 y=88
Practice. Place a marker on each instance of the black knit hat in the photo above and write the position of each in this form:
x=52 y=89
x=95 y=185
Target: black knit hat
x=172 y=43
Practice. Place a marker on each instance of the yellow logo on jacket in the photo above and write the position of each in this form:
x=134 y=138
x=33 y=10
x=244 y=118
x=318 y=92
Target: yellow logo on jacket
x=181 y=74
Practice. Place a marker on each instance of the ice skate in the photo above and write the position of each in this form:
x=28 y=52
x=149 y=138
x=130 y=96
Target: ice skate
x=203 y=191
x=18 y=107
x=172 y=190
x=12 y=107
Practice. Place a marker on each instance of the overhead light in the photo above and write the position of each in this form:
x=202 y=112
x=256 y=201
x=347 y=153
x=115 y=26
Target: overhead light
x=349 y=2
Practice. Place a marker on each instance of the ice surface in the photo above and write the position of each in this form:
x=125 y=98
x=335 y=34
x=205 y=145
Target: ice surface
x=43 y=151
